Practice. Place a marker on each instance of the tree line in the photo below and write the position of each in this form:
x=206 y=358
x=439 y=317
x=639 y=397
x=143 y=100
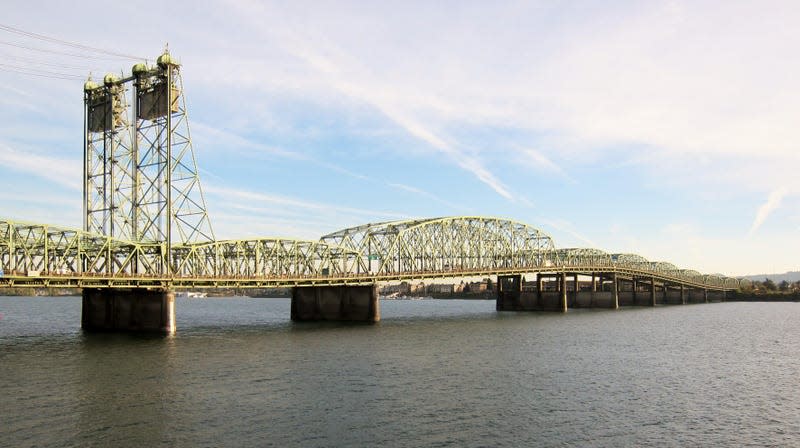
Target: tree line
x=768 y=286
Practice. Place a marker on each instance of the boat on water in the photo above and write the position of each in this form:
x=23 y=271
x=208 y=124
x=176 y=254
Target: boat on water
x=191 y=295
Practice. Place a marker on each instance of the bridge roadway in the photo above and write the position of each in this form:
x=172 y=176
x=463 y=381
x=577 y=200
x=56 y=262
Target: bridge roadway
x=334 y=278
x=91 y=280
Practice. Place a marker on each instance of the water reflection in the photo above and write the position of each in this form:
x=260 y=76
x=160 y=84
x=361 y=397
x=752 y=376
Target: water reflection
x=125 y=381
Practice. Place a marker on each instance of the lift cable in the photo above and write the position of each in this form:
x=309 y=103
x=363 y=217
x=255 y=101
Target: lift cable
x=37 y=72
x=41 y=75
x=18 y=31
x=38 y=62
x=61 y=53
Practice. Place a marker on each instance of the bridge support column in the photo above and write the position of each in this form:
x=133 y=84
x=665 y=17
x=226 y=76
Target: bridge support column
x=634 y=287
x=683 y=294
x=510 y=296
x=509 y=293
x=336 y=303
x=539 y=288
x=615 y=291
x=652 y=291
x=705 y=295
x=575 y=290
x=128 y=310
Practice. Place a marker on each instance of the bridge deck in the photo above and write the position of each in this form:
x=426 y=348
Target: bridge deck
x=121 y=281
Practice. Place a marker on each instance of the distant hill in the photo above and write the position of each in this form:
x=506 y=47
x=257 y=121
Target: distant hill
x=792 y=276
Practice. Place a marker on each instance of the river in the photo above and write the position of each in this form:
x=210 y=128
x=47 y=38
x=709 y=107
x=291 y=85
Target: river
x=431 y=373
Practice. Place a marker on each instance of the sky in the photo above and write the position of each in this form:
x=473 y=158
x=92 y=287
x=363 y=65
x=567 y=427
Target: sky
x=663 y=128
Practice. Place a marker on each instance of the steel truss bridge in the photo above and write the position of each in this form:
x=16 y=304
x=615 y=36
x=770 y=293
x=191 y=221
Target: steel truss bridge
x=37 y=255
x=145 y=223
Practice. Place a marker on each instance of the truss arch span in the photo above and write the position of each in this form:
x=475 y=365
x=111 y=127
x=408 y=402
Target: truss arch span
x=448 y=244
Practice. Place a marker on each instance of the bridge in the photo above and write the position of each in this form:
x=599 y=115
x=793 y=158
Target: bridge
x=146 y=233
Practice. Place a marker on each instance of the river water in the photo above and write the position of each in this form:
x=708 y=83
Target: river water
x=431 y=373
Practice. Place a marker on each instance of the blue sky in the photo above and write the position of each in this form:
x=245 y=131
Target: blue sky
x=668 y=129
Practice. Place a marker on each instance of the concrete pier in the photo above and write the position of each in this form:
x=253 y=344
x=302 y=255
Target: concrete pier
x=595 y=299
x=336 y=303
x=560 y=291
x=128 y=310
x=511 y=297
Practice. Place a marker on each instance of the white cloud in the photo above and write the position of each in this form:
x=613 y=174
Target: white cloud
x=568 y=228
x=426 y=194
x=60 y=171
x=773 y=202
x=668 y=76
x=228 y=205
x=345 y=73
x=538 y=161
x=214 y=137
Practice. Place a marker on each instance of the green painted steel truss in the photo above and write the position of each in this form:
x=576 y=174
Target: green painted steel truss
x=36 y=255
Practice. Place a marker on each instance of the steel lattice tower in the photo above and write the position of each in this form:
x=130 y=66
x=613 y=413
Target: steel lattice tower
x=108 y=160
x=141 y=181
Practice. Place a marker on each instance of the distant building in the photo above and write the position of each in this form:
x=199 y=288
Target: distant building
x=476 y=287
x=403 y=289
x=441 y=288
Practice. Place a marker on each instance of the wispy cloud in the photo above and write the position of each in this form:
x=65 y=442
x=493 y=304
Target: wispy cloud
x=214 y=137
x=773 y=203
x=538 y=161
x=348 y=76
x=427 y=195
x=264 y=198
x=210 y=136
x=568 y=228
x=469 y=162
x=277 y=209
x=60 y=171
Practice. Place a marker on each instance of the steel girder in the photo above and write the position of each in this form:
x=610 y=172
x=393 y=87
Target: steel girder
x=263 y=258
x=38 y=249
x=442 y=247
x=583 y=257
x=665 y=268
x=451 y=244
x=630 y=260
x=42 y=250
x=575 y=256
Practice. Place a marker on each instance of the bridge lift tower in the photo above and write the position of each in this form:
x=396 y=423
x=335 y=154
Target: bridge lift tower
x=140 y=177
x=140 y=184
